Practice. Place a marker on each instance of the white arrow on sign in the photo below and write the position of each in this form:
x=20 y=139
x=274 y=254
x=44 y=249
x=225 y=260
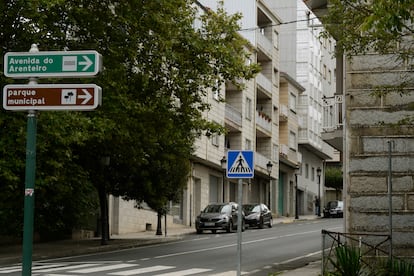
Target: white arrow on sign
x=87 y=96
x=87 y=62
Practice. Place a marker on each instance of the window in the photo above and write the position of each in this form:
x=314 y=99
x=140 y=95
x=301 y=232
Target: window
x=307 y=171
x=313 y=174
x=226 y=142
x=292 y=140
x=276 y=40
x=248 y=109
x=292 y=102
x=215 y=140
x=214 y=188
x=216 y=92
x=275 y=151
x=248 y=144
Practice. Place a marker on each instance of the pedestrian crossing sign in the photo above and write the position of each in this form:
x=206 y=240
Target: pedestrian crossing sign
x=240 y=164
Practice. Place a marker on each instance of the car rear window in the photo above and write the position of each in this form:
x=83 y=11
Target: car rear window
x=217 y=208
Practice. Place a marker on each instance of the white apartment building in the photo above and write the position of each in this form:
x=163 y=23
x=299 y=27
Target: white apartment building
x=251 y=118
x=307 y=58
x=278 y=115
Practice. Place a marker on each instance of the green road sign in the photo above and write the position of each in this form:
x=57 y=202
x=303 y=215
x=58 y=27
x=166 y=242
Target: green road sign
x=52 y=64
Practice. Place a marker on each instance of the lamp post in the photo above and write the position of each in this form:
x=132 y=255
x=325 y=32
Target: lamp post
x=318 y=172
x=223 y=163
x=297 y=171
x=269 y=166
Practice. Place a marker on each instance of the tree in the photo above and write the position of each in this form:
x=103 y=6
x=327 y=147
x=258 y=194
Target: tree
x=360 y=26
x=385 y=27
x=334 y=179
x=158 y=68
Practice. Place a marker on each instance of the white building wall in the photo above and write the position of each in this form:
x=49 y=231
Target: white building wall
x=247 y=8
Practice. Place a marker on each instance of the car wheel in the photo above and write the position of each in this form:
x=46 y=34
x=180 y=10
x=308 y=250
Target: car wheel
x=243 y=226
x=261 y=223
x=199 y=231
x=270 y=223
x=230 y=227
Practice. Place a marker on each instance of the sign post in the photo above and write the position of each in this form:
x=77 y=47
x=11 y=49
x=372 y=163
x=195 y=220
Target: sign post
x=29 y=193
x=240 y=165
x=34 y=96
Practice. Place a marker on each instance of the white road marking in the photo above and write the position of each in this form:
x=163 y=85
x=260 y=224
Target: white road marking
x=102 y=268
x=186 y=272
x=141 y=270
x=232 y=245
x=65 y=268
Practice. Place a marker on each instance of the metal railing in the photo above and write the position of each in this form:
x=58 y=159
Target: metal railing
x=371 y=247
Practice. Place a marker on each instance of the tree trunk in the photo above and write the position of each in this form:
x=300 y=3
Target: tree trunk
x=103 y=202
x=159 y=230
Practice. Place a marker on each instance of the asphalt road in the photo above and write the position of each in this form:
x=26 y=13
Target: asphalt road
x=263 y=251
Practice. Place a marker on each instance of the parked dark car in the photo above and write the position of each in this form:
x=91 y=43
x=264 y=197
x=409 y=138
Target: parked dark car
x=257 y=215
x=334 y=208
x=218 y=216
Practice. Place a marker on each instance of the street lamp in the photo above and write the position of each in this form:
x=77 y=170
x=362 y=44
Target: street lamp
x=297 y=171
x=269 y=166
x=223 y=163
x=318 y=173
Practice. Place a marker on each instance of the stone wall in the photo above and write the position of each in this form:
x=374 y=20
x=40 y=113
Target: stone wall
x=374 y=113
x=125 y=218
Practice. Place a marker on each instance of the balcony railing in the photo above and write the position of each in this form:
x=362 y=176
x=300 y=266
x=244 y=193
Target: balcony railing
x=284 y=150
x=264 y=121
x=283 y=113
x=233 y=115
x=332 y=113
x=264 y=83
x=264 y=42
x=260 y=160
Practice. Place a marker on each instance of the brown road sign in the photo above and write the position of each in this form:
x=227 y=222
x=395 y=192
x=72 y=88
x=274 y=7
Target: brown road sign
x=51 y=97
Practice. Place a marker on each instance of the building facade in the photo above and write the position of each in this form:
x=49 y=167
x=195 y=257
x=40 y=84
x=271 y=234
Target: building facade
x=377 y=146
x=278 y=115
x=308 y=59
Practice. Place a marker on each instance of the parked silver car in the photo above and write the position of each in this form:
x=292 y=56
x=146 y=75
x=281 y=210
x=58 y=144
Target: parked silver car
x=334 y=208
x=218 y=216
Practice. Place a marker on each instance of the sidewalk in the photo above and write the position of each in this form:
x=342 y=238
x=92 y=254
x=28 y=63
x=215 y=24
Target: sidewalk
x=12 y=254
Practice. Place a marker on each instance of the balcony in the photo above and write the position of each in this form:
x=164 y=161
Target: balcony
x=289 y=156
x=263 y=43
x=283 y=113
x=264 y=123
x=264 y=84
x=284 y=151
x=260 y=161
x=233 y=118
x=332 y=121
x=236 y=85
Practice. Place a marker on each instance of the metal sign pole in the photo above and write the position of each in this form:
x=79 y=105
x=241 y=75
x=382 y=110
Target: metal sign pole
x=239 y=226
x=29 y=185
x=29 y=194
x=240 y=164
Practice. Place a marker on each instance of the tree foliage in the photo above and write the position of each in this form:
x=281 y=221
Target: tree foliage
x=160 y=60
x=385 y=27
x=381 y=26
x=334 y=178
